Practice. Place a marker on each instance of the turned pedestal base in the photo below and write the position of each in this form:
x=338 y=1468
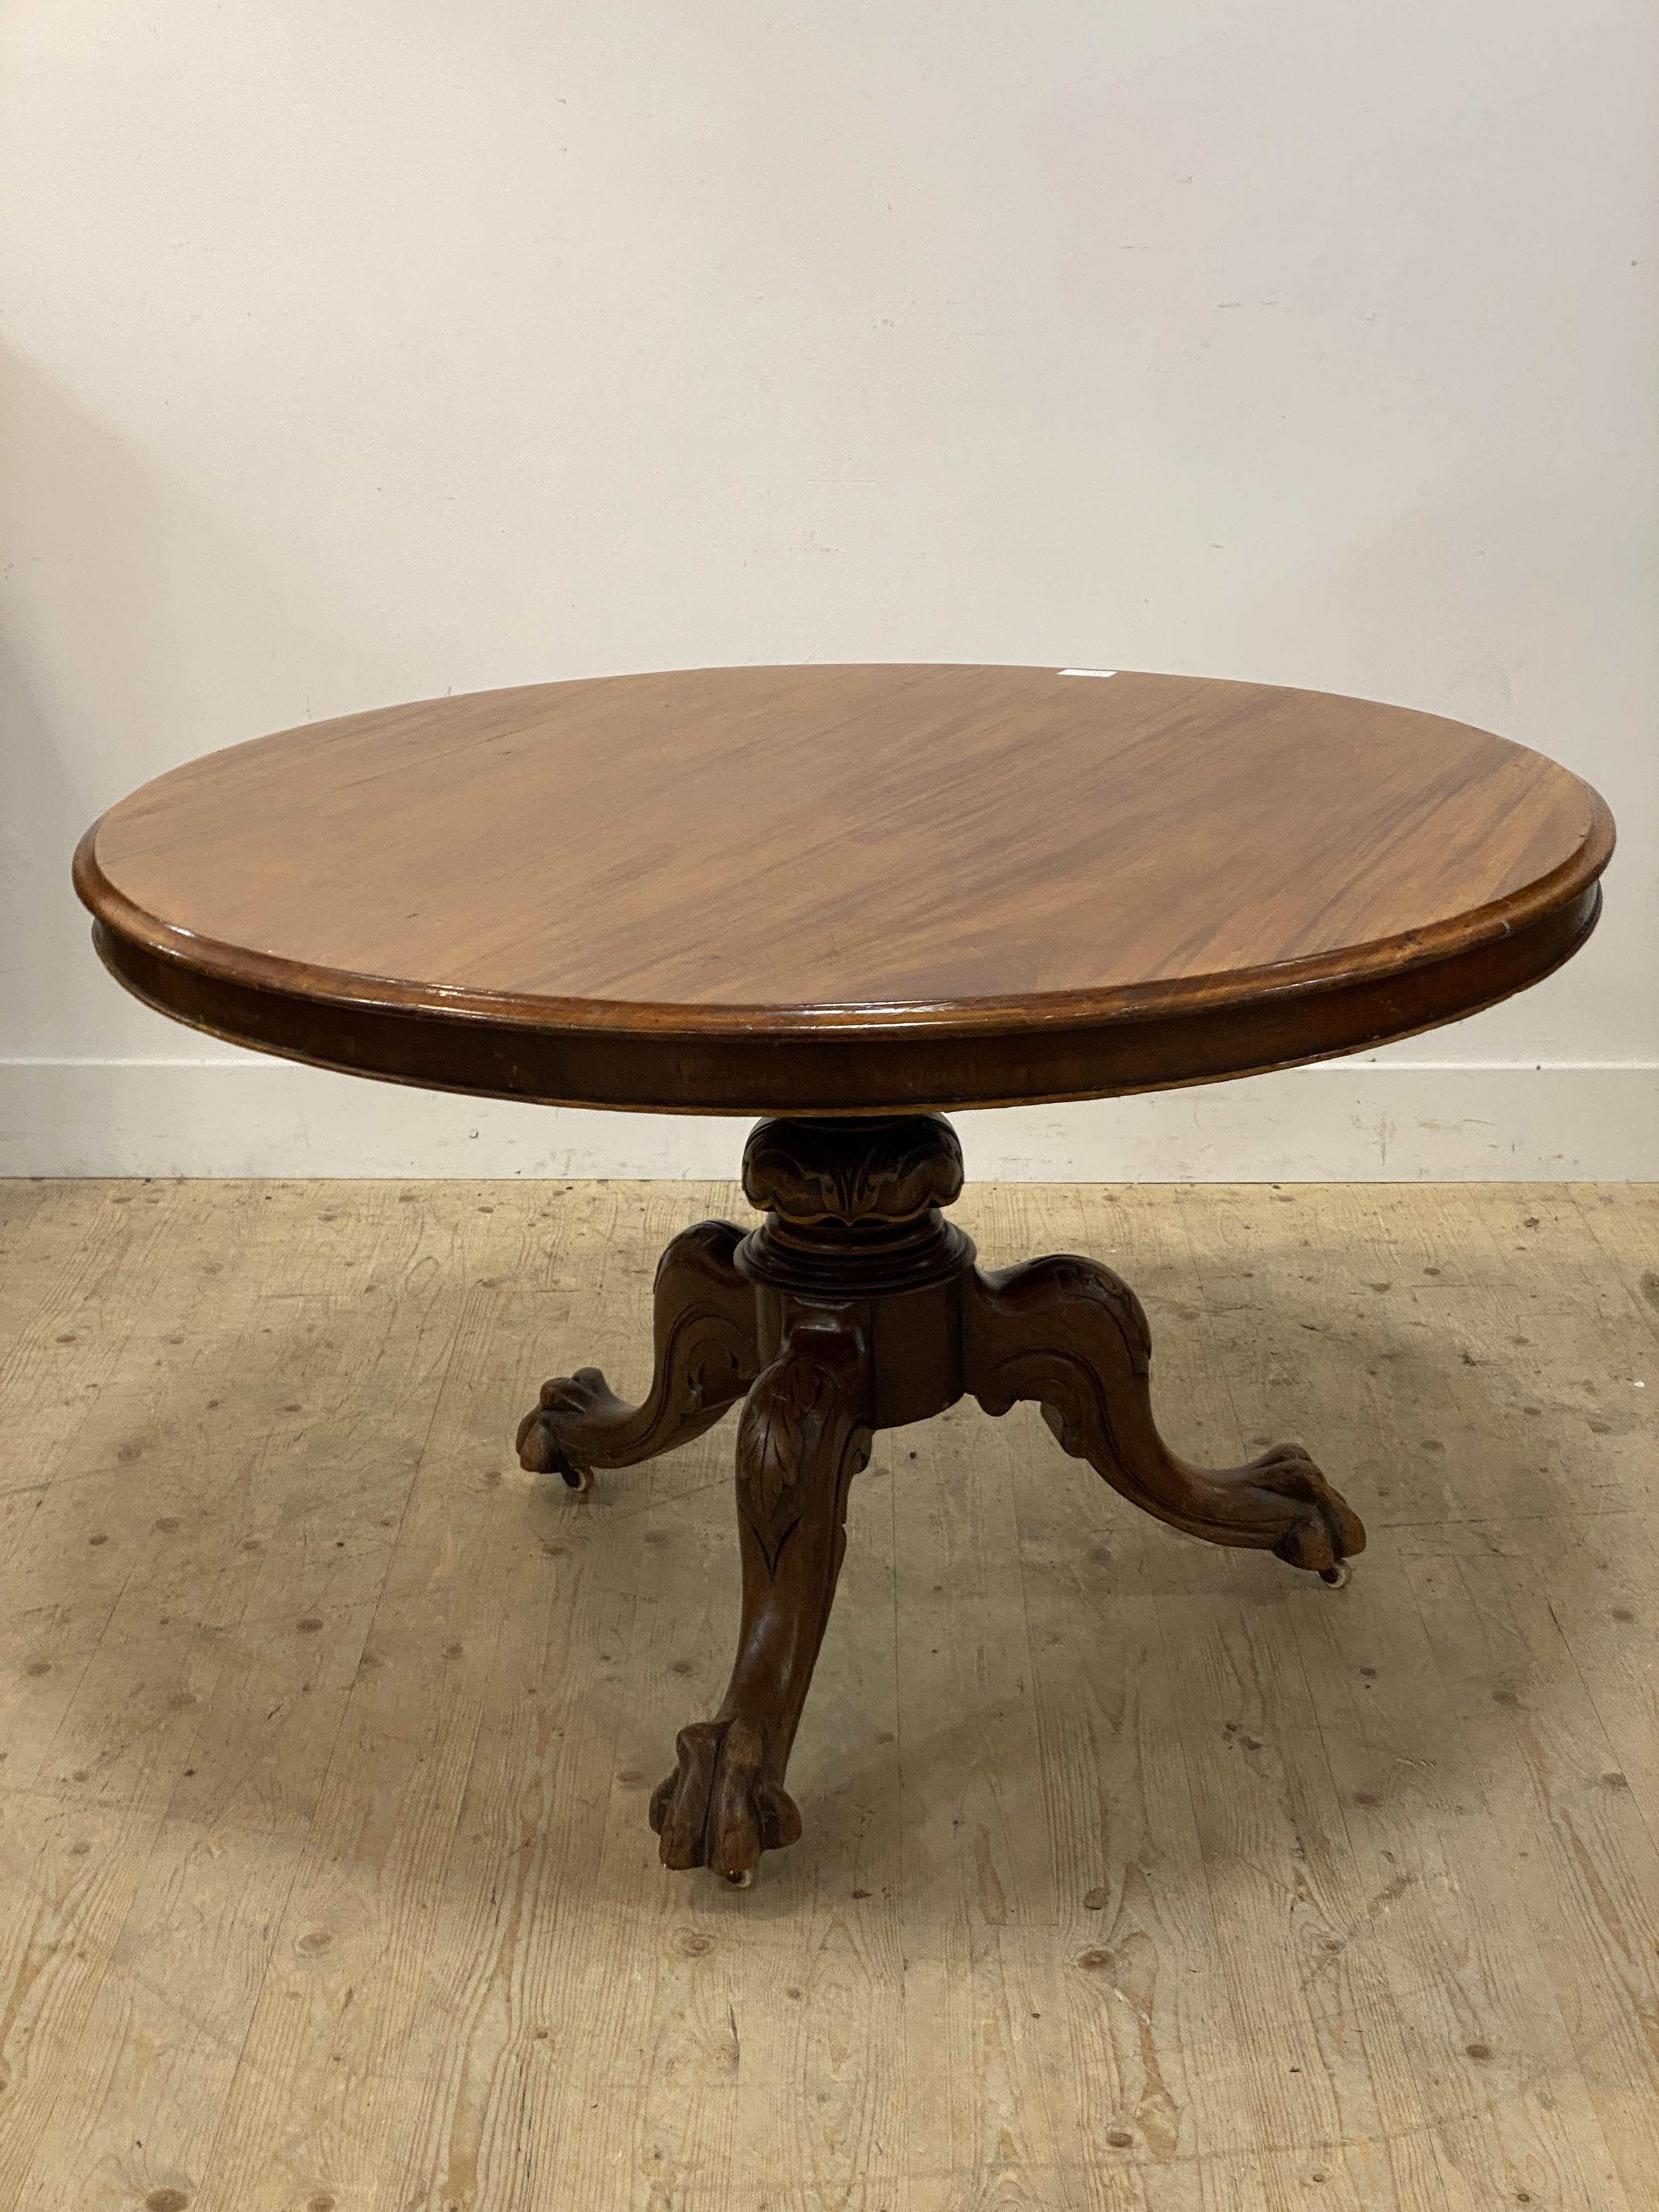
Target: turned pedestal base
x=854 y=1307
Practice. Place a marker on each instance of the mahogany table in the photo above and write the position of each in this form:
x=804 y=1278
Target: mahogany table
x=844 y=898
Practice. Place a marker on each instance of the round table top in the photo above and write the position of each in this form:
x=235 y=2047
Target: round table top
x=834 y=889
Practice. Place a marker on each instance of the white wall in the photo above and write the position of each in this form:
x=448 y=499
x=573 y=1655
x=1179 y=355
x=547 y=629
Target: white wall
x=357 y=355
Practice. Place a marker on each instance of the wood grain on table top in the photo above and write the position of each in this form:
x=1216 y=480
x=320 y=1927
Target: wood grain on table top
x=792 y=845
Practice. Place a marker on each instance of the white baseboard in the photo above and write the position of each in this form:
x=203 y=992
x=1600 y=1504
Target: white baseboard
x=1353 y=1120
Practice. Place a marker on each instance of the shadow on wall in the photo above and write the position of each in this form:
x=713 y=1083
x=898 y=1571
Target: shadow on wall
x=136 y=630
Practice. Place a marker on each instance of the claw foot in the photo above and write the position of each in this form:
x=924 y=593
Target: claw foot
x=1326 y=1530
x=564 y=1399
x=719 y=1807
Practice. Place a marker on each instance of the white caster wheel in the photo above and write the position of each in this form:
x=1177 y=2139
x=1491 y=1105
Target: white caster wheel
x=1338 y=1576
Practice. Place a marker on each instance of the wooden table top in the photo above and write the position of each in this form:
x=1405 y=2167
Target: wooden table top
x=845 y=889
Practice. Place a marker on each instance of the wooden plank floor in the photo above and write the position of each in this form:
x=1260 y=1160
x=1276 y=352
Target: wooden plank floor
x=1136 y=1873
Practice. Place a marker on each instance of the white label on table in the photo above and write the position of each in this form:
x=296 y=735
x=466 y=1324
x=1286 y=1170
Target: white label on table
x=1088 y=671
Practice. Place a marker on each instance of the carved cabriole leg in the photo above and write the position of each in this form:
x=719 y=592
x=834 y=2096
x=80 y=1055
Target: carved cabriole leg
x=804 y=1433
x=1069 y=1334
x=856 y=1306
x=706 y=1357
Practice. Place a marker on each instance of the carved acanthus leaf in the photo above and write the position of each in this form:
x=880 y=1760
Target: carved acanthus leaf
x=884 y=1171
x=780 y=1410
